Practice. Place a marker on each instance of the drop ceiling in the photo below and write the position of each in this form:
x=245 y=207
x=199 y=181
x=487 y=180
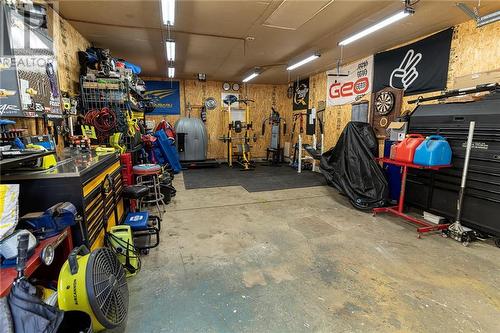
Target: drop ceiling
x=227 y=39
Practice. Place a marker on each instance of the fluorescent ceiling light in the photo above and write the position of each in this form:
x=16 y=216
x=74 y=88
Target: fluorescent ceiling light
x=171 y=72
x=302 y=62
x=251 y=76
x=170 y=46
x=168 y=11
x=394 y=18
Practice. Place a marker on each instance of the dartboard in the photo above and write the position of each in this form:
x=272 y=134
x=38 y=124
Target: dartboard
x=384 y=103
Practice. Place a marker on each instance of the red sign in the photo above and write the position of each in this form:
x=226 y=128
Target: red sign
x=359 y=87
x=349 y=83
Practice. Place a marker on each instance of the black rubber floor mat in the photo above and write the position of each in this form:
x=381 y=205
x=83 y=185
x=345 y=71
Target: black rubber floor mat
x=262 y=178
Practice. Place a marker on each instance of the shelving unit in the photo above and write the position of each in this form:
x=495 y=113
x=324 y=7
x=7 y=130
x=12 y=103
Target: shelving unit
x=109 y=92
x=115 y=94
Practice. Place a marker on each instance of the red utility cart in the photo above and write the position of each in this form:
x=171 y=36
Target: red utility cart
x=398 y=210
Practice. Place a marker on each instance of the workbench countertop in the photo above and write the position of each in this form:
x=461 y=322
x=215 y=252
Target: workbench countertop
x=71 y=163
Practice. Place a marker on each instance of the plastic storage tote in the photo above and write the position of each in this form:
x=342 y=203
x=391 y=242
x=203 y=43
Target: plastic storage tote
x=405 y=150
x=434 y=150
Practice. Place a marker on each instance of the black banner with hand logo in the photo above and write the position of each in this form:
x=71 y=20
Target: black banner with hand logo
x=416 y=68
x=301 y=94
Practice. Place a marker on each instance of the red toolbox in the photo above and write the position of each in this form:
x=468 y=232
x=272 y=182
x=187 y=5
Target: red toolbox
x=405 y=150
x=127 y=172
x=126 y=158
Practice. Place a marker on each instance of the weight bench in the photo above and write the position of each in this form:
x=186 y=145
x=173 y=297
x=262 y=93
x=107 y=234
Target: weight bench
x=311 y=151
x=277 y=156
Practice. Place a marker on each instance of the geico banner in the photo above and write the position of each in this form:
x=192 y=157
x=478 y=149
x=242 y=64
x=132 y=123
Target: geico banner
x=350 y=84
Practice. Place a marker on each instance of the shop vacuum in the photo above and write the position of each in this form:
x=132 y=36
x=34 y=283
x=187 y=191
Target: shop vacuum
x=456 y=230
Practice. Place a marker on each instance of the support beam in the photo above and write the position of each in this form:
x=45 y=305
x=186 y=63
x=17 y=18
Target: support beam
x=154 y=28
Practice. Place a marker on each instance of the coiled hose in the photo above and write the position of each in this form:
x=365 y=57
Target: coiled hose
x=103 y=120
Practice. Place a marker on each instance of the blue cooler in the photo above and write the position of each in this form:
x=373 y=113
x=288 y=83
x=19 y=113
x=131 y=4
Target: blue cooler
x=434 y=150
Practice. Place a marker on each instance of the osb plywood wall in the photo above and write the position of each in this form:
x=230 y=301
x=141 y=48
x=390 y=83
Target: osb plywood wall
x=194 y=93
x=473 y=51
x=67 y=42
x=334 y=118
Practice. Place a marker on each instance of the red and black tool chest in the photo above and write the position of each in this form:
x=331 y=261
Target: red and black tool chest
x=437 y=191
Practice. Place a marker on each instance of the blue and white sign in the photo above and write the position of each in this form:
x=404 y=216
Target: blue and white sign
x=165 y=96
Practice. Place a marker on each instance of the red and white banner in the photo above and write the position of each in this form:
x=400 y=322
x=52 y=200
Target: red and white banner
x=352 y=83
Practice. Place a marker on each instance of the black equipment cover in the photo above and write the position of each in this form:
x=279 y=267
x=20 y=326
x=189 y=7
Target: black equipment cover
x=29 y=313
x=350 y=167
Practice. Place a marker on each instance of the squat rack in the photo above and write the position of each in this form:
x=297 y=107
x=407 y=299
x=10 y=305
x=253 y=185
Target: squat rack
x=237 y=127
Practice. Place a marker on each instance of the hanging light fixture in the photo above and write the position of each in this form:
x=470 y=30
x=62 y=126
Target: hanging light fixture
x=250 y=77
x=168 y=11
x=256 y=72
x=303 y=61
x=171 y=72
x=382 y=24
x=202 y=77
x=170 y=46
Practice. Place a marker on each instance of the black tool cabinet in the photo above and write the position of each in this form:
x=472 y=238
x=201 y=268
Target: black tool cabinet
x=90 y=181
x=437 y=191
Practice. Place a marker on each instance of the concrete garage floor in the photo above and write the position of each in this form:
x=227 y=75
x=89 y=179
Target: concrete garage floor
x=303 y=260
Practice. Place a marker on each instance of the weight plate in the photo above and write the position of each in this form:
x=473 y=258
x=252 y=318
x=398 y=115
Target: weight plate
x=210 y=103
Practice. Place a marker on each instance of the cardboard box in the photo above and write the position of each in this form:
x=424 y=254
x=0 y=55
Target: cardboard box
x=397 y=130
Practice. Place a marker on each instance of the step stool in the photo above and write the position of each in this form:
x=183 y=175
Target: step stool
x=149 y=175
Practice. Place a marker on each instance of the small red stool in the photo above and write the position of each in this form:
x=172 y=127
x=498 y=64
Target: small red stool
x=149 y=175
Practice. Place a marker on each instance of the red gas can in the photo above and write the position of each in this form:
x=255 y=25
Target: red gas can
x=405 y=150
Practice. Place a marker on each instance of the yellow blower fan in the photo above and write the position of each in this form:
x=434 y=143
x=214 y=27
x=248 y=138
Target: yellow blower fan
x=94 y=283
